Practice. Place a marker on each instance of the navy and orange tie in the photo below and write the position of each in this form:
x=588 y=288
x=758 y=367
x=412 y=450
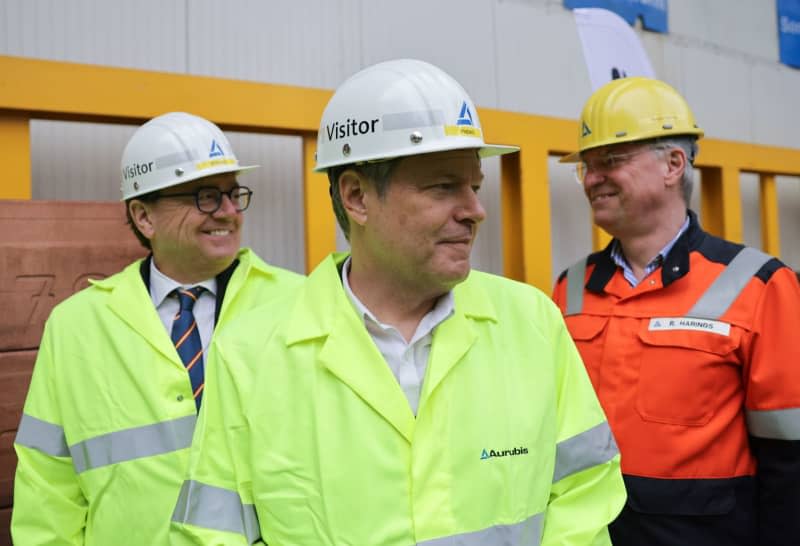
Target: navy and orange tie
x=186 y=337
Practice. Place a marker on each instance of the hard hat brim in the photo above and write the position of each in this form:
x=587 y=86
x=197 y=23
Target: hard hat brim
x=192 y=177
x=574 y=157
x=492 y=150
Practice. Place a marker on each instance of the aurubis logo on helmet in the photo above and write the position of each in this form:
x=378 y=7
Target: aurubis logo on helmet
x=465 y=116
x=350 y=128
x=464 y=124
x=216 y=150
x=136 y=169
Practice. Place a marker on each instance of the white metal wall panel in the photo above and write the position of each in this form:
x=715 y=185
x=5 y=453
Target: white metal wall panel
x=531 y=76
x=312 y=43
x=570 y=218
x=456 y=35
x=487 y=253
x=751 y=210
x=789 y=218
x=274 y=221
x=747 y=27
x=718 y=89
x=147 y=34
x=694 y=202
x=77 y=161
x=773 y=108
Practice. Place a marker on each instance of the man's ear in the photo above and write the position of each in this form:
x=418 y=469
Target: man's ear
x=141 y=215
x=353 y=188
x=675 y=166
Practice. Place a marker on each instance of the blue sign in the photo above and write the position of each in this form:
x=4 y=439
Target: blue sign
x=652 y=12
x=789 y=32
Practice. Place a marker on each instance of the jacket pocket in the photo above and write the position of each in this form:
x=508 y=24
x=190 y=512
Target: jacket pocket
x=685 y=374
x=588 y=333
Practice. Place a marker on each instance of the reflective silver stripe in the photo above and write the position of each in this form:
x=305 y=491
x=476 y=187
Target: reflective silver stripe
x=133 y=443
x=729 y=284
x=524 y=533
x=775 y=424
x=576 y=275
x=585 y=450
x=41 y=435
x=412 y=120
x=212 y=507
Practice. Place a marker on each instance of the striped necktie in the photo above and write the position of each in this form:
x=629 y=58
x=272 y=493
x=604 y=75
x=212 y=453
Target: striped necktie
x=186 y=337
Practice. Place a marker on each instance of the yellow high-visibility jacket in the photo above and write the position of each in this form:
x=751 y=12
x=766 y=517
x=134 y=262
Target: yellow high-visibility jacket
x=104 y=437
x=307 y=438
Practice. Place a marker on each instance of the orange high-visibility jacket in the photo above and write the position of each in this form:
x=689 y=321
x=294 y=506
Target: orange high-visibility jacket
x=698 y=371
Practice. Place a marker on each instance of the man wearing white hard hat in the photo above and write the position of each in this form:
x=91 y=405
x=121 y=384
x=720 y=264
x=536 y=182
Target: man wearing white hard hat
x=400 y=398
x=119 y=378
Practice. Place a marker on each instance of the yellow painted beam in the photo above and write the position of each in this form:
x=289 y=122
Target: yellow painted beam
x=770 y=216
x=53 y=89
x=600 y=238
x=535 y=212
x=721 y=202
x=525 y=193
x=320 y=228
x=749 y=157
x=120 y=95
x=511 y=217
x=15 y=142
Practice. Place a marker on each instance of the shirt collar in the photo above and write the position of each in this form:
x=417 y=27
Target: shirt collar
x=618 y=256
x=675 y=266
x=444 y=307
x=162 y=286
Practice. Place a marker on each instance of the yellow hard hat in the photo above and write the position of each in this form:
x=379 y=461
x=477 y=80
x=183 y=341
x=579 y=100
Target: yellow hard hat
x=631 y=109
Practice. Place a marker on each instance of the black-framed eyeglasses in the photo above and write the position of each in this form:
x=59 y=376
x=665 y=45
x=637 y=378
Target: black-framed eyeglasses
x=209 y=199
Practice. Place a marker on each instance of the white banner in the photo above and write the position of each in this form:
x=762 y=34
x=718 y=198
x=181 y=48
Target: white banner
x=610 y=46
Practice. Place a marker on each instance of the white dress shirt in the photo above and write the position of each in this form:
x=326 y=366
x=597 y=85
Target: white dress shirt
x=168 y=306
x=407 y=360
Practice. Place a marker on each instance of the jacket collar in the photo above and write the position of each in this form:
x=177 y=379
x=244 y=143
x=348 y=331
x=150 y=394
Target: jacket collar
x=323 y=312
x=129 y=297
x=674 y=267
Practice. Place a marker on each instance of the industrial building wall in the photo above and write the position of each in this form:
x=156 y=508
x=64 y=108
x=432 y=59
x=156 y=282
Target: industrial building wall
x=519 y=55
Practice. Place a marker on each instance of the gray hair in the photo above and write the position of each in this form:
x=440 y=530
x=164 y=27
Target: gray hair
x=689 y=146
x=378 y=172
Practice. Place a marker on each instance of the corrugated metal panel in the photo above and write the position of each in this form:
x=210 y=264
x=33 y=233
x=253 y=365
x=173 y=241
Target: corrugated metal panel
x=773 y=111
x=487 y=253
x=743 y=26
x=539 y=62
x=77 y=161
x=570 y=218
x=312 y=43
x=751 y=210
x=149 y=34
x=718 y=89
x=274 y=221
x=456 y=35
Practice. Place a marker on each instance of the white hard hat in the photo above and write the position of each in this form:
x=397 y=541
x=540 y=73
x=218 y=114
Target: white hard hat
x=172 y=149
x=399 y=108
